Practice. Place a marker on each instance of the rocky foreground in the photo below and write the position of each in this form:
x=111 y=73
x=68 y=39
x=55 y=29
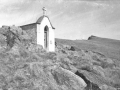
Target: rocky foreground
x=66 y=69
x=27 y=66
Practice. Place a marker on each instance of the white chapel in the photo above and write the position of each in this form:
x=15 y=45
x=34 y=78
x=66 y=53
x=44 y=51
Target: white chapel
x=42 y=32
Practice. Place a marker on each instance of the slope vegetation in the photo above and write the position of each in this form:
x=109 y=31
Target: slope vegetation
x=108 y=47
x=27 y=66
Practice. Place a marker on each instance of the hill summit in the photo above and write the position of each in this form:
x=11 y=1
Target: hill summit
x=101 y=39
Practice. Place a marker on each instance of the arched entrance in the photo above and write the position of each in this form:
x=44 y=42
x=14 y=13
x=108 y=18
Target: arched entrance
x=46 y=37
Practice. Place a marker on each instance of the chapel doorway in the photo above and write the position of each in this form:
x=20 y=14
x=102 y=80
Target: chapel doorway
x=46 y=37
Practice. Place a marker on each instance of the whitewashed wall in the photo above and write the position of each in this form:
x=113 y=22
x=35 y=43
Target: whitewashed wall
x=40 y=35
x=51 y=40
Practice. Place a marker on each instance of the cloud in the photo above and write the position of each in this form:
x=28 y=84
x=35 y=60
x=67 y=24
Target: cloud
x=71 y=18
x=109 y=15
x=8 y=6
x=18 y=11
x=59 y=1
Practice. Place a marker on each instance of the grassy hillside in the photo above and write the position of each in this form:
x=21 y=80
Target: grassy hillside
x=108 y=47
x=25 y=65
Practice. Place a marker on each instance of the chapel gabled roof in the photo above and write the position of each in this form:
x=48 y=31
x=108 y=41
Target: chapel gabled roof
x=39 y=21
x=41 y=18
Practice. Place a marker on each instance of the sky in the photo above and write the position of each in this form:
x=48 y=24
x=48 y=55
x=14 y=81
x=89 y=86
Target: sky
x=73 y=19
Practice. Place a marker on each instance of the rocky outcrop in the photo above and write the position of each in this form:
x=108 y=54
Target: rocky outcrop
x=91 y=37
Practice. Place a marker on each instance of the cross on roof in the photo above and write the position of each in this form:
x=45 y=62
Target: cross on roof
x=44 y=10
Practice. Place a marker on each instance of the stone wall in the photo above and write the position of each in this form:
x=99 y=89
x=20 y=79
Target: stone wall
x=31 y=29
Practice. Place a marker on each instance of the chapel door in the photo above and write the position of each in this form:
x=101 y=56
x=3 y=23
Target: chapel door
x=46 y=39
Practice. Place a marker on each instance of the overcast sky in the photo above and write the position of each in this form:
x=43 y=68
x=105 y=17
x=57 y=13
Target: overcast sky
x=73 y=19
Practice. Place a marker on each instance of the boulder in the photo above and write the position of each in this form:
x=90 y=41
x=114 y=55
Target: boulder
x=67 y=80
